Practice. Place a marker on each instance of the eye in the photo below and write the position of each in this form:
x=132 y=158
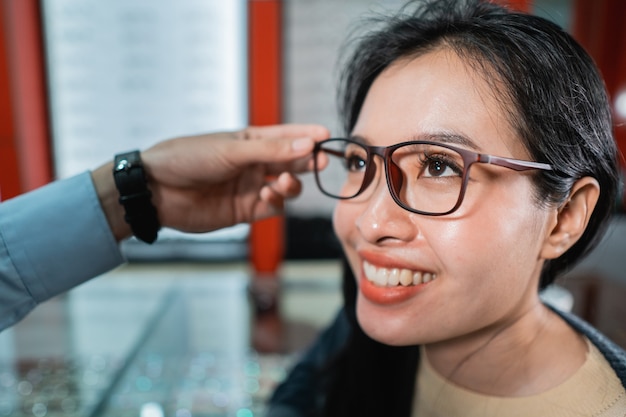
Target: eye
x=355 y=162
x=436 y=166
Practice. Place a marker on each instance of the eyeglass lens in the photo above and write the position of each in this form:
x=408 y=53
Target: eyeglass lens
x=423 y=177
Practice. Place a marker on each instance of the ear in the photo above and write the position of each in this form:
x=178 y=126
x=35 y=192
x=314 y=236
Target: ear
x=571 y=219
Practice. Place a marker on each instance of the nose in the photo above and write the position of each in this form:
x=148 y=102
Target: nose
x=382 y=219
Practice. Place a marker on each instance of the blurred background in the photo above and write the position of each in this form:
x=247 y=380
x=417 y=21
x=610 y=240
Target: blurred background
x=206 y=325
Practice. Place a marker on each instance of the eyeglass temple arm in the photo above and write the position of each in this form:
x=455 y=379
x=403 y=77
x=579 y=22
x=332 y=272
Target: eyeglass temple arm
x=330 y=151
x=516 y=164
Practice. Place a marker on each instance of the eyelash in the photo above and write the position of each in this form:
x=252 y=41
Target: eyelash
x=425 y=160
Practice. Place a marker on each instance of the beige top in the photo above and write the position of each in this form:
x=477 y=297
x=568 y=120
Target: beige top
x=594 y=390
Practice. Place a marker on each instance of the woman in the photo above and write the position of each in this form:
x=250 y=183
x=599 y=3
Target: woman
x=480 y=164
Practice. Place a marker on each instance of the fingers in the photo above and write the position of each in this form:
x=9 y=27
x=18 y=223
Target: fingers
x=284 y=187
x=281 y=149
x=285 y=131
x=270 y=151
x=279 y=144
x=287 y=185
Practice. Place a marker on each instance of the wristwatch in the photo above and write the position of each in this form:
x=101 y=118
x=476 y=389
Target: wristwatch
x=131 y=183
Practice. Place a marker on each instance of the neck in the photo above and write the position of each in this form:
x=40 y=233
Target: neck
x=523 y=356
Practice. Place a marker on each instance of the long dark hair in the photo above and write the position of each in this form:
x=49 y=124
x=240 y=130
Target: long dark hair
x=556 y=101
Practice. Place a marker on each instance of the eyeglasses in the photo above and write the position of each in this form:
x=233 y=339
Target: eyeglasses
x=423 y=177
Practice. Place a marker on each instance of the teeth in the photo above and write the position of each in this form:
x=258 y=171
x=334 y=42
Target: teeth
x=406 y=277
x=417 y=278
x=384 y=277
x=394 y=277
x=380 y=276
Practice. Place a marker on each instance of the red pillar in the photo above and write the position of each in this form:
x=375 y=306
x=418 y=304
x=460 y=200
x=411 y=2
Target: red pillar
x=598 y=26
x=9 y=172
x=265 y=64
x=25 y=122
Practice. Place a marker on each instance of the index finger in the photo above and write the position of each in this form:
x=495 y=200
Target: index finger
x=285 y=131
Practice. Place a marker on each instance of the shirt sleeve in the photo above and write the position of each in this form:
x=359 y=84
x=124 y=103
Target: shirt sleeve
x=51 y=240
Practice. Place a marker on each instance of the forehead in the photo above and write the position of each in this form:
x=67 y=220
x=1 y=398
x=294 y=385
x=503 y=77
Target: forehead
x=437 y=93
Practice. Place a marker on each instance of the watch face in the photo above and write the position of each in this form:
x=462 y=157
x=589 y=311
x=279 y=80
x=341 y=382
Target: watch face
x=123 y=165
x=125 y=161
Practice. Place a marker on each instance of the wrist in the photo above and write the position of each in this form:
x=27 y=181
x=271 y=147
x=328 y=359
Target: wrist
x=109 y=196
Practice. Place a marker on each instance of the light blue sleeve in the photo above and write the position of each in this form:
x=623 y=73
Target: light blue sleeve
x=51 y=240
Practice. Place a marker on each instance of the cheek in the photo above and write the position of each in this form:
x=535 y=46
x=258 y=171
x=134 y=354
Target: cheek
x=498 y=243
x=501 y=212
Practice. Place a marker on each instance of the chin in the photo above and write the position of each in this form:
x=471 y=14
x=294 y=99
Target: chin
x=392 y=332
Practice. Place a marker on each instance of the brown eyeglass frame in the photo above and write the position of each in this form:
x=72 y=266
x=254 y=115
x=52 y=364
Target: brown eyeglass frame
x=394 y=178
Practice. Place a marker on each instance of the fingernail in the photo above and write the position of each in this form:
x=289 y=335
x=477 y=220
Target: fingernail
x=302 y=144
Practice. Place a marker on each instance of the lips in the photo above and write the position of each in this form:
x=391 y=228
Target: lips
x=383 y=285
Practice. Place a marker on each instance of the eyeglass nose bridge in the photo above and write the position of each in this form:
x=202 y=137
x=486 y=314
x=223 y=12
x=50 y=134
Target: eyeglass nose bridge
x=392 y=172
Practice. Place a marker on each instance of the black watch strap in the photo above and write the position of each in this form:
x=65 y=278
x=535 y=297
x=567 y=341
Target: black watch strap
x=131 y=183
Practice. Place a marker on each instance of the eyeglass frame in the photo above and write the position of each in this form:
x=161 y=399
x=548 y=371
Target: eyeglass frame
x=385 y=152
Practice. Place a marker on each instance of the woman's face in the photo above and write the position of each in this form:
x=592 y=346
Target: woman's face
x=481 y=262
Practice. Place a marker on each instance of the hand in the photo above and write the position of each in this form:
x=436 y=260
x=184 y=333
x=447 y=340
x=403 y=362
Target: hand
x=206 y=182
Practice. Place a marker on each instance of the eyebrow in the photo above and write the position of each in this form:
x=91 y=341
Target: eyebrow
x=441 y=137
x=448 y=138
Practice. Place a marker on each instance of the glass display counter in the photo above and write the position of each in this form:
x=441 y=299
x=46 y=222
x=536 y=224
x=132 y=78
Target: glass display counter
x=149 y=341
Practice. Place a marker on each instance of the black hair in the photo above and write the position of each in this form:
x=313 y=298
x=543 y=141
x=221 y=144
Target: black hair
x=548 y=85
x=555 y=99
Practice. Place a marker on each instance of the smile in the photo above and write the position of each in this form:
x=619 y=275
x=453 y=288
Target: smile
x=392 y=277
